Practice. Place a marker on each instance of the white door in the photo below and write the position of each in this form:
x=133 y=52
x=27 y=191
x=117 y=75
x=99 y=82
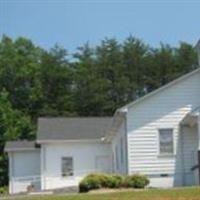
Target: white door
x=103 y=163
x=190 y=146
x=196 y=171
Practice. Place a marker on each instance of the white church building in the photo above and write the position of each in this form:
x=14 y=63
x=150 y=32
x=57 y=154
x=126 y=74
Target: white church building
x=157 y=135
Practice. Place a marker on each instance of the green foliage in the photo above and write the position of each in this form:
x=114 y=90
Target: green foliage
x=14 y=125
x=92 y=181
x=93 y=82
x=114 y=181
x=96 y=181
x=136 y=181
x=3 y=190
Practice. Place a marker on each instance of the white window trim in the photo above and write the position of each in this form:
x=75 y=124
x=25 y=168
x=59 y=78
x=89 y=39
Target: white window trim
x=158 y=142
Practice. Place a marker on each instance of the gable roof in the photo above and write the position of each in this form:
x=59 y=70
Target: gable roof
x=79 y=128
x=20 y=145
x=124 y=108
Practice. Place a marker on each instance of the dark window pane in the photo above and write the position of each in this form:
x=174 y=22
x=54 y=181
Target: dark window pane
x=67 y=166
x=166 y=141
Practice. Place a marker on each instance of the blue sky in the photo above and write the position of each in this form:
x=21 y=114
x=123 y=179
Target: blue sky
x=71 y=23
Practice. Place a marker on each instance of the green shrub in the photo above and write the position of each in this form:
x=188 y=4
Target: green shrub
x=103 y=180
x=96 y=181
x=83 y=186
x=136 y=181
x=3 y=190
x=90 y=182
x=115 y=181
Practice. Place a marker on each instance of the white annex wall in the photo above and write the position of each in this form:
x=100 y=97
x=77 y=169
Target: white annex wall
x=23 y=164
x=85 y=155
x=166 y=109
x=119 y=142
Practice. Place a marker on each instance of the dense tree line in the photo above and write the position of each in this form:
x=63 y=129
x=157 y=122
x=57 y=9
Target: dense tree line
x=94 y=82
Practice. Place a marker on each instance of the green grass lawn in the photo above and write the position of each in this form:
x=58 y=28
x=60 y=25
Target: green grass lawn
x=151 y=194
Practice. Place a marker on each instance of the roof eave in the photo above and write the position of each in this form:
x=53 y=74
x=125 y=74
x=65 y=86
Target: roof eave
x=7 y=150
x=42 y=141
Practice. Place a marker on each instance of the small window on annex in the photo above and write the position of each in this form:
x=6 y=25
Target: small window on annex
x=67 y=166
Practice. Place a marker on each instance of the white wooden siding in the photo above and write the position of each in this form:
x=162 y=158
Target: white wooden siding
x=165 y=109
x=84 y=158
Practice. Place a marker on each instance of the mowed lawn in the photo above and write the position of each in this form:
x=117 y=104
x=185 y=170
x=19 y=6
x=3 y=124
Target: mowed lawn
x=151 y=194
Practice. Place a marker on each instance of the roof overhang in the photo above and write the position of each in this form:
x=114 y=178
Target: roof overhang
x=8 y=150
x=118 y=119
x=19 y=146
x=191 y=119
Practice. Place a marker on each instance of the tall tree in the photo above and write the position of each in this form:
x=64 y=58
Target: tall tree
x=111 y=71
x=160 y=67
x=56 y=83
x=14 y=126
x=185 y=58
x=19 y=65
x=88 y=94
x=134 y=58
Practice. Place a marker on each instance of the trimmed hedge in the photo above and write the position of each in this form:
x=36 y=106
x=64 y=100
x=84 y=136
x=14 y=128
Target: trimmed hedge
x=96 y=181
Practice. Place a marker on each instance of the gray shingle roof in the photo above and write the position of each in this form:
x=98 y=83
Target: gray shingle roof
x=78 y=128
x=20 y=145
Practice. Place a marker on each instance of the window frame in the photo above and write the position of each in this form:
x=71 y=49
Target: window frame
x=70 y=174
x=173 y=143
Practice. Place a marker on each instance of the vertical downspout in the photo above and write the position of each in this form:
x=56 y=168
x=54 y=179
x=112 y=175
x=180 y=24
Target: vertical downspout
x=10 y=172
x=42 y=168
x=126 y=143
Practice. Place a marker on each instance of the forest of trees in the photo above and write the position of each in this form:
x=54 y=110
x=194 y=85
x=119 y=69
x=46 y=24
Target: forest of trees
x=92 y=82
